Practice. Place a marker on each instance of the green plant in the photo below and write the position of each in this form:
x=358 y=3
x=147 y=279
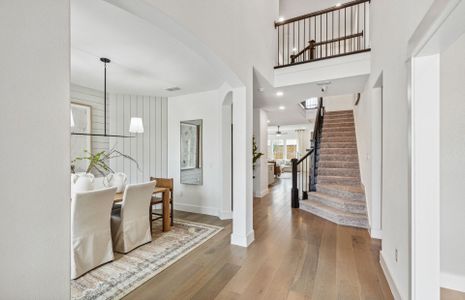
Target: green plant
x=256 y=154
x=100 y=160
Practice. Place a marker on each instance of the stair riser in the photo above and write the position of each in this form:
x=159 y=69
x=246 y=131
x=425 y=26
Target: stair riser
x=338 y=172
x=354 y=222
x=338 y=125
x=338 y=139
x=338 y=129
x=353 y=208
x=341 y=194
x=335 y=134
x=331 y=145
x=338 y=120
x=338 y=151
x=338 y=164
x=341 y=181
x=347 y=158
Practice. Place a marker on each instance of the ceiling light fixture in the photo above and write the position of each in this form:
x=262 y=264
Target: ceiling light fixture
x=281 y=19
x=267 y=121
x=136 y=125
x=282 y=107
x=279 y=93
x=338 y=4
x=294 y=49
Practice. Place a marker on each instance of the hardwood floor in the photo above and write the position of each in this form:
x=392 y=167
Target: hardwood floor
x=295 y=256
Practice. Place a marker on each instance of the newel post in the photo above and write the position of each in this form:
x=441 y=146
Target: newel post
x=294 y=190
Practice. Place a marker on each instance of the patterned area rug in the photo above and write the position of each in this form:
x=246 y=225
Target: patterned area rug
x=118 y=278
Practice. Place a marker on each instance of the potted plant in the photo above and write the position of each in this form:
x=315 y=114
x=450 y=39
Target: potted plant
x=99 y=163
x=256 y=154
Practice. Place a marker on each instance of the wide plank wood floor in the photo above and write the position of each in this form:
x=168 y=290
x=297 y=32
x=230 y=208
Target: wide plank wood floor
x=295 y=255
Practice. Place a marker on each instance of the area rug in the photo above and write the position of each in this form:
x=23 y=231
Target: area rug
x=118 y=278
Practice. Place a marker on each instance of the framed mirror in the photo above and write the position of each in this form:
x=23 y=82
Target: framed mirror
x=191 y=152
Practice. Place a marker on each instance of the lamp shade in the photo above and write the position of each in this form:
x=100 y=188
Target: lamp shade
x=72 y=119
x=136 y=125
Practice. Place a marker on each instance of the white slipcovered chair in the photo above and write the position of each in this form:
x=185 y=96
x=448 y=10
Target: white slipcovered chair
x=91 y=244
x=130 y=224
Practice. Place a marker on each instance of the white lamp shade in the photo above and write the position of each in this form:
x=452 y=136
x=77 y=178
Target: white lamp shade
x=72 y=119
x=136 y=125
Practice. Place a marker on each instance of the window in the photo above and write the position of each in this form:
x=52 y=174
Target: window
x=291 y=149
x=278 y=149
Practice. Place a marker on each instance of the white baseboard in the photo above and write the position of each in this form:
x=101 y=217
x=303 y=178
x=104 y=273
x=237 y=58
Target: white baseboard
x=376 y=233
x=453 y=282
x=241 y=240
x=206 y=210
x=225 y=215
x=390 y=280
x=262 y=193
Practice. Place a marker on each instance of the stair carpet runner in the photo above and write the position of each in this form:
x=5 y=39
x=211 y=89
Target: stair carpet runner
x=339 y=197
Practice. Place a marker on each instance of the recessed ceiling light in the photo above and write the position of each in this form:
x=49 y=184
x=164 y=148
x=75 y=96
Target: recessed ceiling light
x=279 y=93
x=280 y=19
x=338 y=4
x=282 y=107
x=267 y=121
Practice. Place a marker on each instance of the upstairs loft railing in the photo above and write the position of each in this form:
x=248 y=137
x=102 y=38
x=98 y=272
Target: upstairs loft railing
x=332 y=32
x=304 y=169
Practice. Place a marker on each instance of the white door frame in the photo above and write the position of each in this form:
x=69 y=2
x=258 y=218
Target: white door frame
x=441 y=26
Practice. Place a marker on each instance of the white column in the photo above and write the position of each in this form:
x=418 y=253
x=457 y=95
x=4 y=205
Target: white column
x=243 y=234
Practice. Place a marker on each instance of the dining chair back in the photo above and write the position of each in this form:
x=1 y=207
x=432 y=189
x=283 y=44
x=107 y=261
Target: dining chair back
x=131 y=224
x=164 y=183
x=91 y=243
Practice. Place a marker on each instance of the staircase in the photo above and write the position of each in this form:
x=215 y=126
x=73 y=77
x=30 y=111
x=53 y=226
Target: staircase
x=339 y=196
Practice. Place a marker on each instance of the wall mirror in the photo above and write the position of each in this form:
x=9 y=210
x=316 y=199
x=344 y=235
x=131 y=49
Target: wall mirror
x=191 y=152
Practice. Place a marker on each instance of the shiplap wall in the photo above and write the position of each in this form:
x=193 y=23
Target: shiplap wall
x=149 y=149
x=94 y=98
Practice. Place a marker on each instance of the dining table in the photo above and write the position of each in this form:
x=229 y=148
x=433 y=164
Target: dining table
x=165 y=207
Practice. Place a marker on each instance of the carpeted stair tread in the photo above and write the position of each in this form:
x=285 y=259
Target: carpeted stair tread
x=337 y=164
x=331 y=145
x=335 y=215
x=346 y=180
x=323 y=171
x=352 y=206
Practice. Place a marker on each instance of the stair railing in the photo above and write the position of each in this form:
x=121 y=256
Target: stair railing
x=304 y=170
x=332 y=32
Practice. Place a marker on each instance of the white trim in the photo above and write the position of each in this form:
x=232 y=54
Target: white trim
x=243 y=241
x=389 y=278
x=225 y=215
x=262 y=193
x=376 y=233
x=453 y=282
x=206 y=210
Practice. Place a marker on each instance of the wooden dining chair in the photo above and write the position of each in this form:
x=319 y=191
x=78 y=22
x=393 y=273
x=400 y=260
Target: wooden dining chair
x=163 y=183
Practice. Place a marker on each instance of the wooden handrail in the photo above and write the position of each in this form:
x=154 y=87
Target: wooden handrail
x=312 y=45
x=320 y=12
x=307 y=180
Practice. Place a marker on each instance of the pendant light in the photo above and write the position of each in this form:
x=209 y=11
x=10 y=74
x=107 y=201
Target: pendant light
x=136 y=125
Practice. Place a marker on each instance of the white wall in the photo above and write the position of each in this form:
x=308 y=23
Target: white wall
x=34 y=149
x=392 y=23
x=452 y=163
x=94 y=99
x=205 y=198
x=341 y=102
x=293 y=8
x=150 y=148
x=261 y=138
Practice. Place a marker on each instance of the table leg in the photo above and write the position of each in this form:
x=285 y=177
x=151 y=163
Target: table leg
x=166 y=211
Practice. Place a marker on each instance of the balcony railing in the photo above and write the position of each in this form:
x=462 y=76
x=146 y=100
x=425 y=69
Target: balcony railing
x=332 y=32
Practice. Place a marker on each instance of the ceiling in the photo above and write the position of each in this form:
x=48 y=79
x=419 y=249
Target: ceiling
x=145 y=59
x=265 y=97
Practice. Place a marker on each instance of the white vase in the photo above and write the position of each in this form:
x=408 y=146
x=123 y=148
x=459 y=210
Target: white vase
x=118 y=180
x=81 y=182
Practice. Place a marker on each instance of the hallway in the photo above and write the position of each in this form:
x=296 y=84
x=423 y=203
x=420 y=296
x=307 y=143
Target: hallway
x=295 y=256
